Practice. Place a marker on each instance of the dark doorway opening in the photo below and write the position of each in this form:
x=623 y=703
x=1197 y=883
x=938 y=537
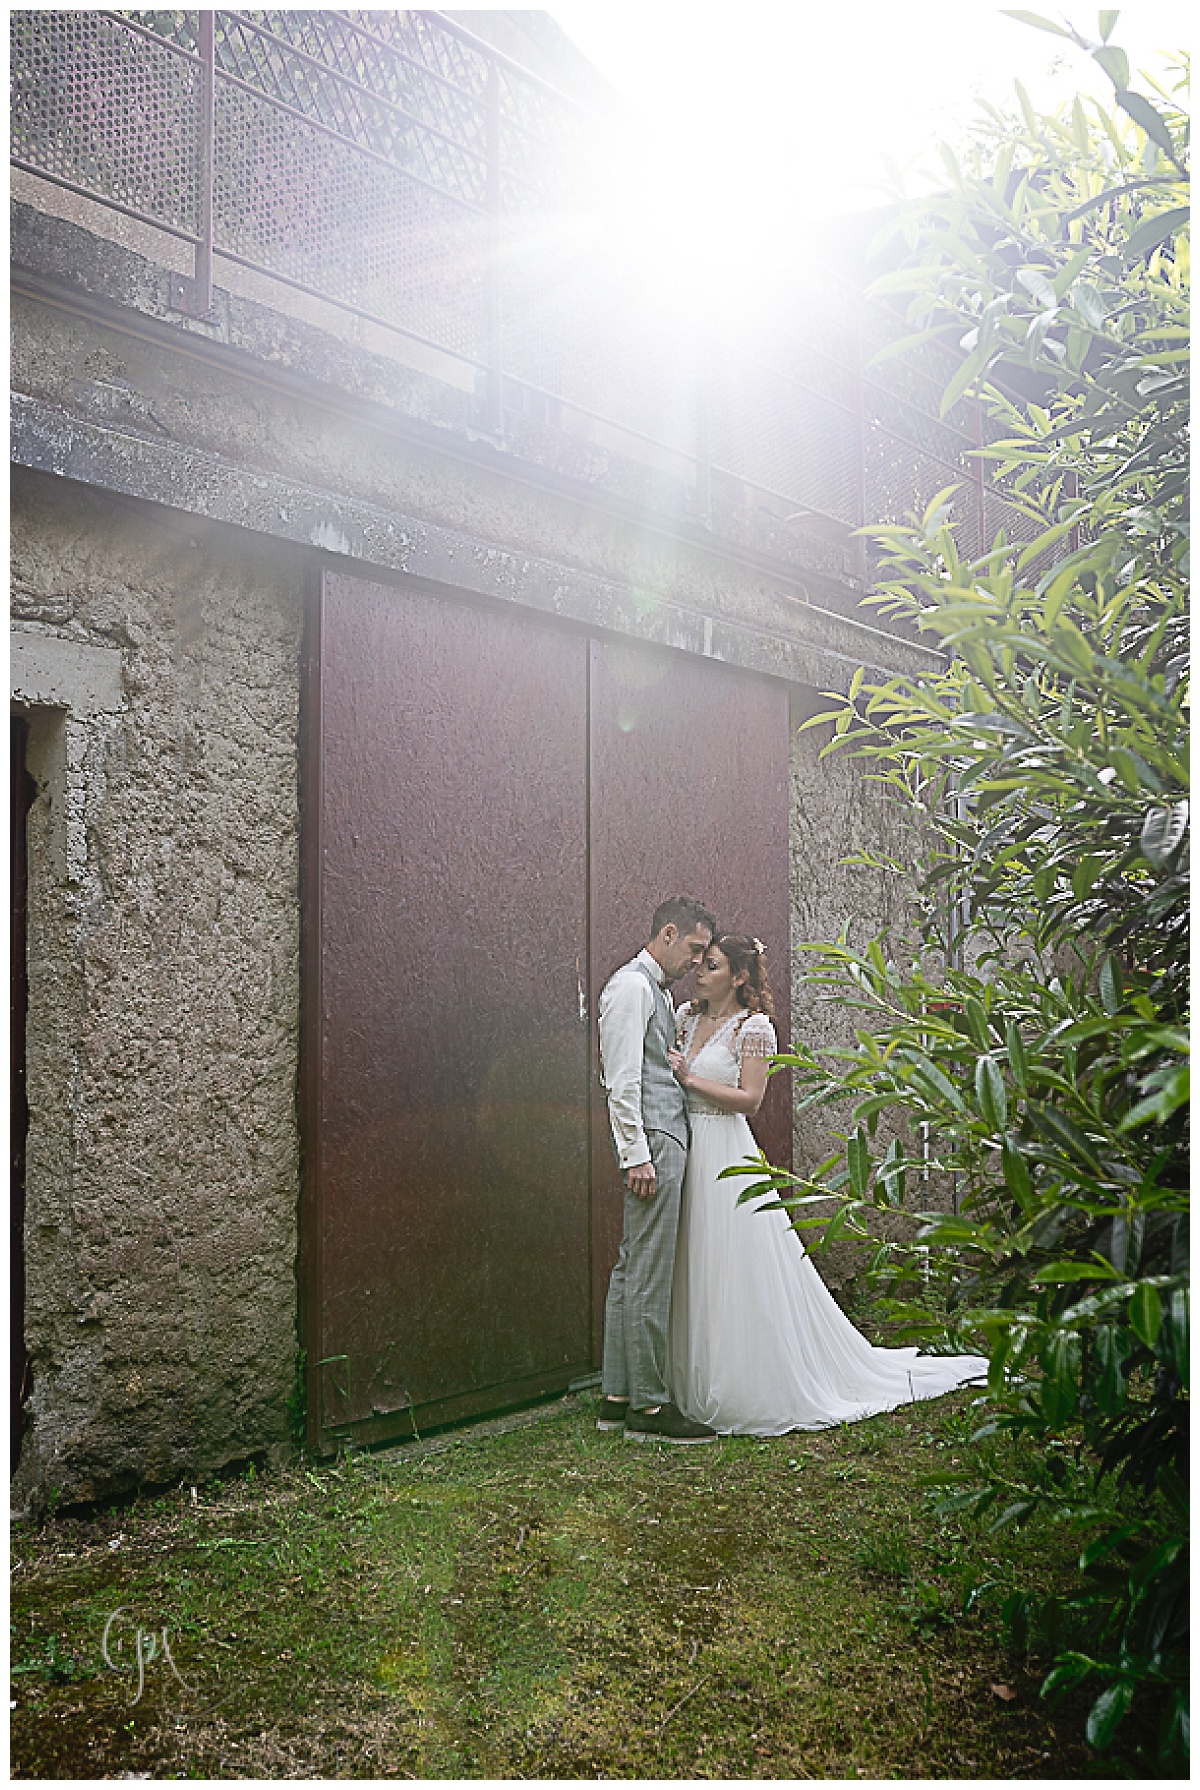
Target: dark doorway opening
x=23 y=790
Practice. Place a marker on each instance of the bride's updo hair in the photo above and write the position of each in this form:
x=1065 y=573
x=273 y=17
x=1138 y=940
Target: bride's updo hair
x=741 y=952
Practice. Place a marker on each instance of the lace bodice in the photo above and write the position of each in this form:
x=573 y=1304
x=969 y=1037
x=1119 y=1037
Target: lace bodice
x=720 y=1056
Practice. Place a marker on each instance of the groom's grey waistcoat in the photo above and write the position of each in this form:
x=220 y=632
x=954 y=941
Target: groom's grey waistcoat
x=664 y=1103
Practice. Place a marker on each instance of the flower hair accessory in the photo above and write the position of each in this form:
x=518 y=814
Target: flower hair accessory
x=759 y=947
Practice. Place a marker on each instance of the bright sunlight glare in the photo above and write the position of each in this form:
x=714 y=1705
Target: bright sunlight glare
x=751 y=125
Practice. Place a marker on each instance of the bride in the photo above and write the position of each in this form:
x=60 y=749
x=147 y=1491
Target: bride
x=758 y=1345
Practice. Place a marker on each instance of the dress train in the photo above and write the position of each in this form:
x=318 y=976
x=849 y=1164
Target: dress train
x=758 y=1345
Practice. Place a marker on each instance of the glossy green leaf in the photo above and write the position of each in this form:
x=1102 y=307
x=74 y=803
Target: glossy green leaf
x=1145 y=1313
x=1162 y=833
x=948 y=1231
x=1111 y=1351
x=1108 y=1712
x=1013 y=1513
x=1016 y=1171
x=976 y=1018
x=1018 y=1062
x=893 y=1175
x=1178 y=1331
x=938 y=504
x=1062 y=1273
x=966 y=376
x=1070 y=270
x=1063 y=1131
x=1153 y=231
x=1168 y=1090
x=1037 y=285
x=1065 y=1676
x=1087 y=300
x=990 y=1092
x=931 y=1079
x=1036 y=20
x=1112 y=989
x=1070 y=645
x=1086 y=875
x=1060 y=1391
x=997 y=1364
x=858 y=1160
x=1127 y=768
x=1115 y=64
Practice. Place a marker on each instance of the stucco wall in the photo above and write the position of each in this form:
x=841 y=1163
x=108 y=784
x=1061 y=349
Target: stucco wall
x=163 y=1158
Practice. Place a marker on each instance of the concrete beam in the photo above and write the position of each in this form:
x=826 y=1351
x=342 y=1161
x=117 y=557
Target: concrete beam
x=46 y=671
x=109 y=457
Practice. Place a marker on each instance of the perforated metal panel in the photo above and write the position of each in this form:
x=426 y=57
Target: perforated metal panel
x=110 y=110
x=914 y=424
x=352 y=227
x=322 y=66
x=921 y=373
x=811 y=355
x=422 y=40
x=546 y=149
x=785 y=438
x=900 y=479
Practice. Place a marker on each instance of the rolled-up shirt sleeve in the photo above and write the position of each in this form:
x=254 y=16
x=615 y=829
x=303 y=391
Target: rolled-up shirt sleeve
x=626 y=1004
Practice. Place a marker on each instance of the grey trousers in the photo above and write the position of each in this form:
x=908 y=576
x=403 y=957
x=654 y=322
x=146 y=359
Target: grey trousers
x=639 y=1292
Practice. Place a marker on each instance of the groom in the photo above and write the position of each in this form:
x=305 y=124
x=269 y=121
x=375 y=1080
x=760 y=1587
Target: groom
x=647 y=1110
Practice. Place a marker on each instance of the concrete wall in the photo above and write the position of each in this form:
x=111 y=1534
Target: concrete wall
x=161 y=674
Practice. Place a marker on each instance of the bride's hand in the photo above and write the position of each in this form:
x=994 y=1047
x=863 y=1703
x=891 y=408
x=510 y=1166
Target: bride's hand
x=679 y=1067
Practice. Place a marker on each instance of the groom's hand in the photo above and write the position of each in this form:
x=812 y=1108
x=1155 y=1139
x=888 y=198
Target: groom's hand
x=640 y=1180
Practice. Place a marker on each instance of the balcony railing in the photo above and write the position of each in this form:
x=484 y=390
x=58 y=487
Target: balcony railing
x=397 y=166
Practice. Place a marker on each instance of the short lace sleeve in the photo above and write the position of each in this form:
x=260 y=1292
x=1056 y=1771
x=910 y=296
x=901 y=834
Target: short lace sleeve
x=756 y=1038
x=683 y=1016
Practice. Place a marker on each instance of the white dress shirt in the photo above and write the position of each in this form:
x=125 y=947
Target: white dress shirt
x=626 y=1003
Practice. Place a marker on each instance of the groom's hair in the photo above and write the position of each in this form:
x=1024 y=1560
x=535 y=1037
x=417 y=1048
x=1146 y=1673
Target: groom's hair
x=683 y=912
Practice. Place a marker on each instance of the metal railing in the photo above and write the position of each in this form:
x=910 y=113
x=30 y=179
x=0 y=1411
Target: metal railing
x=399 y=167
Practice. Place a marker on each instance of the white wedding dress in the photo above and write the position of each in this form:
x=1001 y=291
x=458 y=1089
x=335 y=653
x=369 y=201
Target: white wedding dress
x=757 y=1344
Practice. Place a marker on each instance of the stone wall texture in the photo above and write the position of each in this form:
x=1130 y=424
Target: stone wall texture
x=836 y=811
x=163 y=1167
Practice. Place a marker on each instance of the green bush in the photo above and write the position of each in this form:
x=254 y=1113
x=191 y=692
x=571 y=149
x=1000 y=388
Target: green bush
x=1026 y=1049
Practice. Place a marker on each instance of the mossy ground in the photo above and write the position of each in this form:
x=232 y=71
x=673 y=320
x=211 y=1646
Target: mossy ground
x=543 y=1600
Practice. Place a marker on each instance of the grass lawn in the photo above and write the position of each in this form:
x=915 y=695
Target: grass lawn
x=535 y=1599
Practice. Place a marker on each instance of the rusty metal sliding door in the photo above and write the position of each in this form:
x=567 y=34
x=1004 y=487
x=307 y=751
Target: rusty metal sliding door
x=494 y=806
x=446 y=1099
x=22 y=792
x=689 y=795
